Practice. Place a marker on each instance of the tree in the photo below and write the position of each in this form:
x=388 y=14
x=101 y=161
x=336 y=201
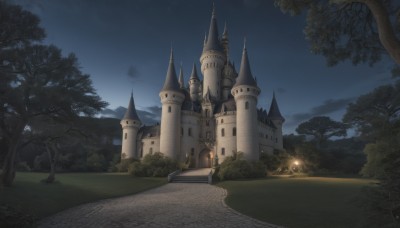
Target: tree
x=42 y=83
x=322 y=128
x=374 y=113
x=359 y=30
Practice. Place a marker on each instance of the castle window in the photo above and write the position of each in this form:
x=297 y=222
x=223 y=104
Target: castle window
x=222 y=120
x=222 y=132
x=192 y=151
x=207 y=112
x=246 y=105
x=190 y=132
x=152 y=142
x=173 y=95
x=127 y=122
x=134 y=122
x=248 y=89
x=207 y=123
x=166 y=95
x=241 y=90
x=234 y=131
x=169 y=108
x=151 y=150
x=222 y=151
x=126 y=135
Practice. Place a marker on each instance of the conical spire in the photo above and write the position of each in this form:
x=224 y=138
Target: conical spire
x=171 y=83
x=245 y=77
x=180 y=80
x=225 y=33
x=194 y=73
x=130 y=113
x=212 y=42
x=274 y=113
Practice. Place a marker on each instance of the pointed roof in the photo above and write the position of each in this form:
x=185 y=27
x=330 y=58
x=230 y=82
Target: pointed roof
x=194 y=73
x=212 y=42
x=171 y=83
x=131 y=111
x=245 y=77
x=225 y=33
x=180 y=80
x=274 y=113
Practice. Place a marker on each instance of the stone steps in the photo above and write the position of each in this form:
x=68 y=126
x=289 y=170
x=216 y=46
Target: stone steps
x=189 y=179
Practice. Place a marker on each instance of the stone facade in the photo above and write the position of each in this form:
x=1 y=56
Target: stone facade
x=207 y=120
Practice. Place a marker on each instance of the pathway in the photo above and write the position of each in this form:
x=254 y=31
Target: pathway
x=171 y=205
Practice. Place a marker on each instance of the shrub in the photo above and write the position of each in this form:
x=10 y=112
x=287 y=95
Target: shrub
x=11 y=217
x=153 y=165
x=124 y=164
x=235 y=167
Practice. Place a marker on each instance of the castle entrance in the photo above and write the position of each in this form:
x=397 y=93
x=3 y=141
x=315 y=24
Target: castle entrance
x=205 y=158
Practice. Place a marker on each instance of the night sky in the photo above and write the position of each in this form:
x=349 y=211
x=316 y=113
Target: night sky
x=124 y=45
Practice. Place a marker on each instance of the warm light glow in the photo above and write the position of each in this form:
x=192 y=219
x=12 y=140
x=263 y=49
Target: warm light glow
x=296 y=162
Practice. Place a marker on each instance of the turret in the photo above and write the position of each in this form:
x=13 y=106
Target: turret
x=212 y=60
x=246 y=92
x=276 y=117
x=194 y=85
x=171 y=98
x=130 y=126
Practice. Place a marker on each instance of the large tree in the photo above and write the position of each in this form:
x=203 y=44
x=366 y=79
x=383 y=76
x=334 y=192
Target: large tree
x=359 y=30
x=322 y=128
x=41 y=83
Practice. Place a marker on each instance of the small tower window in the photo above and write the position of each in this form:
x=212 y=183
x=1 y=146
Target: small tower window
x=234 y=131
x=169 y=108
x=222 y=132
x=248 y=89
x=246 y=105
x=126 y=135
x=190 y=132
x=222 y=120
x=166 y=95
x=222 y=151
x=152 y=142
x=127 y=122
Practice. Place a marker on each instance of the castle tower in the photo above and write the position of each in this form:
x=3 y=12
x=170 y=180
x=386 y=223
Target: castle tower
x=171 y=99
x=130 y=126
x=212 y=61
x=246 y=94
x=276 y=117
x=194 y=85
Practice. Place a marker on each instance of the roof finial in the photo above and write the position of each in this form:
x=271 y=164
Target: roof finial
x=132 y=93
x=225 y=30
x=171 y=57
x=213 y=12
x=244 y=43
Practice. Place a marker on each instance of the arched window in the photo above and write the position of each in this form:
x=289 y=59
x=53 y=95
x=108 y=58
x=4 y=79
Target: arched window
x=126 y=135
x=234 y=131
x=190 y=132
x=169 y=108
x=246 y=105
x=222 y=132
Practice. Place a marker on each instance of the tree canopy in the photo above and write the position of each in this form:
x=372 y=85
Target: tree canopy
x=360 y=30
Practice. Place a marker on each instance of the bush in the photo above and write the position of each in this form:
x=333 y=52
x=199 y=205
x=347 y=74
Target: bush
x=96 y=162
x=153 y=165
x=11 y=217
x=235 y=167
x=124 y=164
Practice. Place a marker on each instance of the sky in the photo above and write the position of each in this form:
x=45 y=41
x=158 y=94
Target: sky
x=125 y=46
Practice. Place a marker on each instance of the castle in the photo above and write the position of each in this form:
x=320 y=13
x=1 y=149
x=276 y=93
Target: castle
x=209 y=119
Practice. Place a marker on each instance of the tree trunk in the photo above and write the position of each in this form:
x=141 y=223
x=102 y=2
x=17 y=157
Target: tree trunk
x=8 y=172
x=53 y=162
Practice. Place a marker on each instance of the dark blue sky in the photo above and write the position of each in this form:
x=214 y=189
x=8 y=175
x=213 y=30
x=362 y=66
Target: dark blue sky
x=125 y=45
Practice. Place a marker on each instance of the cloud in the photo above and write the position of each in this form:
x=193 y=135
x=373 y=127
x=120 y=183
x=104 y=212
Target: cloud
x=329 y=106
x=133 y=72
x=148 y=117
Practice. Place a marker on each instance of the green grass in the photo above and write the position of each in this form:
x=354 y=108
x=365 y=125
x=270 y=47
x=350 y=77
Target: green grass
x=298 y=202
x=31 y=196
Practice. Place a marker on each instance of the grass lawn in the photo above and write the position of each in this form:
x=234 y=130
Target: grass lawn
x=38 y=199
x=298 y=202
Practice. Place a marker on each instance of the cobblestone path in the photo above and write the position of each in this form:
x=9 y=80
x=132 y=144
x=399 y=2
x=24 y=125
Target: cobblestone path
x=171 y=205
